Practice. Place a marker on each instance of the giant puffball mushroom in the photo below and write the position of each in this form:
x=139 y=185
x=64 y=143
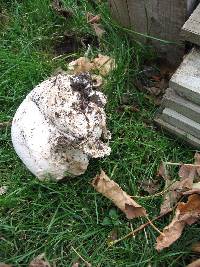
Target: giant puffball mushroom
x=60 y=125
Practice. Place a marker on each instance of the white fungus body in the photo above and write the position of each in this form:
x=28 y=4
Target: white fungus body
x=59 y=127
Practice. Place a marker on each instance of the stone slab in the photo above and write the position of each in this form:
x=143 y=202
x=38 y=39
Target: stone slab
x=179 y=133
x=181 y=105
x=186 y=79
x=183 y=123
x=191 y=29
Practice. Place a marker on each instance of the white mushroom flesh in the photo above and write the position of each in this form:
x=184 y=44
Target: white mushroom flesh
x=60 y=126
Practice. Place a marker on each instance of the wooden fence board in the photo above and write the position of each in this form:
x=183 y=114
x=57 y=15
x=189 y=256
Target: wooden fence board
x=119 y=10
x=162 y=19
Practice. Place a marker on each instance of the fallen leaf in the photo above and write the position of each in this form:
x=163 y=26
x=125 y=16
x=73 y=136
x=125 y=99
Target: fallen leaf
x=4 y=265
x=94 y=21
x=164 y=84
x=150 y=186
x=121 y=199
x=39 y=261
x=104 y=64
x=76 y=264
x=154 y=90
x=186 y=214
x=3 y=190
x=171 y=196
x=98 y=29
x=93 y=18
x=194 y=264
x=187 y=172
x=163 y=172
x=82 y=64
x=58 y=7
x=175 y=189
x=195 y=189
x=196 y=247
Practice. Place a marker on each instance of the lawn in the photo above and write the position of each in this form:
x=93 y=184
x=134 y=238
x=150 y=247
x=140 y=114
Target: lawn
x=57 y=218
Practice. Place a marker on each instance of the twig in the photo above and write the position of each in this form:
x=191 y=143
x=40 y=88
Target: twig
x=152 y=196
x=86 y=262
x=141 y=227
x=5 y=124
x=154 y=227
x=180 y=164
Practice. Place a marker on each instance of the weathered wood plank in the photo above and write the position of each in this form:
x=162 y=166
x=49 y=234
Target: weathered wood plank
x=160 y=19
x=191 y=29
x=119 y=10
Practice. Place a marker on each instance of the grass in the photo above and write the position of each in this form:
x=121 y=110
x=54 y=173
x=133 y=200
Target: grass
x=54 y=217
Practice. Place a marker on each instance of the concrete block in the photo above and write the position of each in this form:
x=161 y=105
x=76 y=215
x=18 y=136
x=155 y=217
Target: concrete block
x=186 y=79
x=181 y=105
x=181 y=122
x=179 y=133
x=191 y=29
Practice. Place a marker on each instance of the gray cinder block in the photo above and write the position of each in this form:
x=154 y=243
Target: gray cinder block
x=191 y=29
x=181 y=122
x=181 y=105
x=179 y=133
x=186 y=80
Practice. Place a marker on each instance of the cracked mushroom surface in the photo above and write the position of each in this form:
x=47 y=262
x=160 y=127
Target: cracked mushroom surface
x=60 y=125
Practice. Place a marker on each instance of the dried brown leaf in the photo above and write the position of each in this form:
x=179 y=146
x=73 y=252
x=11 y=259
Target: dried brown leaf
x=93 y=18
x=154 y=90
x=194 y=264
x=4 y=265
x=187 y=172
x=121 y=199
x=175 y=189
x=98 y=29
x=39 y=261
x=150 y=186
x=196 y=247
x=164 y=84
x=94 y=21
x=195 y=189
x=171 y=196
x=162 y=172
x=104 y=64
x=186 y=213
x=82 y=64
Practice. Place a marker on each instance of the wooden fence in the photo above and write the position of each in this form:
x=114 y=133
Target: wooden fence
x=161 y=19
